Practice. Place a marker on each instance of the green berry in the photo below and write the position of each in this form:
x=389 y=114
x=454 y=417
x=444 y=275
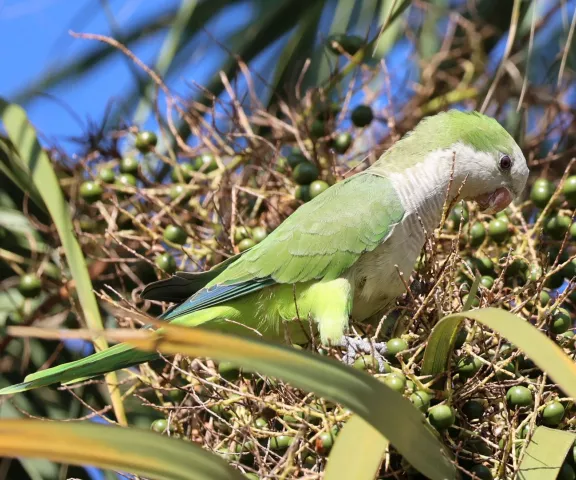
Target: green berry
x=543 y=183
x=295 y=419
x=324 y=442
x=498 y=230
x=245 y=244
x=179 y=191
x=30 y=285
x=159 y=426
x=394 y=346
x=569 y=189
x=558 y=226
x=366 y=362
x=317 y=187
x=362 y=116
x=459 y=213
x=261 y=423
x=506 y=350
x=467 y=366
x=296 y=158
x=509 y=367
x=516 y=265
x=205 y=163
x=473 y=409
x=305 y=173
x=523 y=433
x=107 y=175
x=185 y=171
x=145 y=141
x=281 y=164
x=175 y=234
x=519 y=397
x=259 y=234
x=318 y=129
x=555 y=280
x=421 y=400
x=461 y=338
x=561 y=321
x=475 y=301
x=484 y=265
x=166 y=262
x=302 y=193
x=481 y=472
x=91 y=191
x=395 y=382
x=126 y=180
x=309 y=461
x=553 y=414
x=241 y=232
x=486 y=281
x=348 y=43
x=569 y=270
x=534 y=273
x=573 y=231
x=228 y=370
x=541 y=193
x=281 y=442
x=342 y=142
x=477 y=234
x=524 y=363
x=441 y=416
x=129 y=165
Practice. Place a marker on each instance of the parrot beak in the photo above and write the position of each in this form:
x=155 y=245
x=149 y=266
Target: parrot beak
x=494 y=202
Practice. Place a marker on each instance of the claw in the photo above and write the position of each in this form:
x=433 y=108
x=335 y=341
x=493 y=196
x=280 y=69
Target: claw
x=359 y=345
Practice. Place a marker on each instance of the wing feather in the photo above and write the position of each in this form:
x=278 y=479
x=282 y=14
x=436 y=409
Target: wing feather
x=320 y=240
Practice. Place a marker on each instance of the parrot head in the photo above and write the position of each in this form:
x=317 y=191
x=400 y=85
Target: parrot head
x=486 y=164
x=489 y=166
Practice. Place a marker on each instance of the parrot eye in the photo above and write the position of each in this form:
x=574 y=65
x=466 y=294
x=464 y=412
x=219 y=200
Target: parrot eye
x=505 y=162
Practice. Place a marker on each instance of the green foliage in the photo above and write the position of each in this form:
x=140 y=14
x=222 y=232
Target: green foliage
x=117 y=225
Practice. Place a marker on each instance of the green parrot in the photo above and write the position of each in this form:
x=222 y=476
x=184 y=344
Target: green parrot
x=339 y=256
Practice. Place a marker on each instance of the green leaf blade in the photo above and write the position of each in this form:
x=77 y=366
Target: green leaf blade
x=126 y=449
x=357 y=452
x=545 y=454
x=538 y=347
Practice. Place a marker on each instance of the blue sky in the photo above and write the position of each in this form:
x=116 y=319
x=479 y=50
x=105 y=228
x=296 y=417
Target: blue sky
x=34 y=39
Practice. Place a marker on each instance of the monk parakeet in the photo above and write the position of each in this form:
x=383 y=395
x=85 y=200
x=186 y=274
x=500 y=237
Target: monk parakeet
x=336 y=257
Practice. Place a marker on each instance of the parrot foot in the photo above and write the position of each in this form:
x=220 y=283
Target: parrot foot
x=355 y=345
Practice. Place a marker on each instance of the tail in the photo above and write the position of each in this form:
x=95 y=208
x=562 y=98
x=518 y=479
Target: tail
x=213 y=307
x=115 y=358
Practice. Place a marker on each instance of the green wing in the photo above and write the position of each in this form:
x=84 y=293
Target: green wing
x=324 y=237
x=183 y=285
x=320 y=240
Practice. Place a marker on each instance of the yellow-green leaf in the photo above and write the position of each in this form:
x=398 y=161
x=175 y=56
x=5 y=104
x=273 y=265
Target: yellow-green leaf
x=545 y=454
x=441 y=341
x=36 y=162
x=538 y=347
x=393 y=416
x=387 y=410
x=357 y=452
x=136 y=451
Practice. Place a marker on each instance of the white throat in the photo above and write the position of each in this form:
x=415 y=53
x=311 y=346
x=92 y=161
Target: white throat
x=426 y=187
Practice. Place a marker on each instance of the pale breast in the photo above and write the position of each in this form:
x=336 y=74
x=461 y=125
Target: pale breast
x=375 y=276
x=422 y=191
